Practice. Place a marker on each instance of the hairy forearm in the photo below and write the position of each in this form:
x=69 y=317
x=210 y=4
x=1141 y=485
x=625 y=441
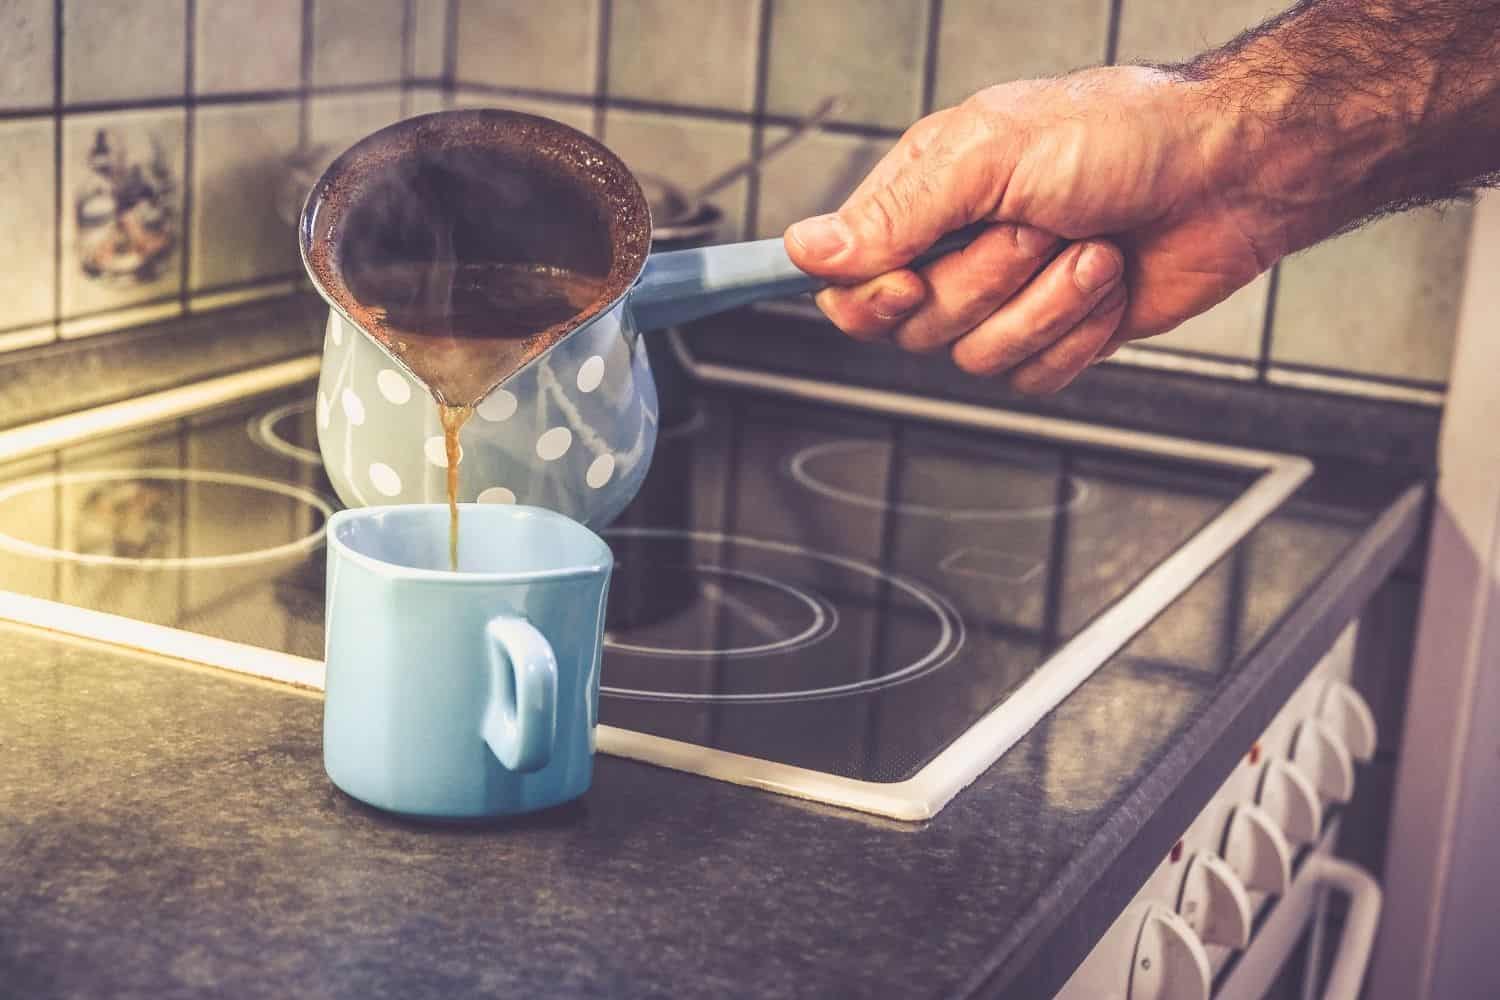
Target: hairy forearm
x=1340 y=110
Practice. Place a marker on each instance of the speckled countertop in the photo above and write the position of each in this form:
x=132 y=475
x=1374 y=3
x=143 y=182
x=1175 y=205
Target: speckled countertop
x=167 y=831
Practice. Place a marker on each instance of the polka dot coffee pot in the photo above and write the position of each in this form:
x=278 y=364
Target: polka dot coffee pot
x=402 y=236
x=573 y=431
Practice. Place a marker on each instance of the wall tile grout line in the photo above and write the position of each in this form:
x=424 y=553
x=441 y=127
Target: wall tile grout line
x=450 y=50
x=210 y=100
x=1112 y=36
x=930 y=57
x=681 y=110
x=190 y=115
x=1263 y=363
x=762 y=72
x=600 y=98
x=408 y=55
x=57 y=167
x=304 y=110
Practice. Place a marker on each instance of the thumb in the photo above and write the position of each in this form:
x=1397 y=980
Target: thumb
x=884 y=225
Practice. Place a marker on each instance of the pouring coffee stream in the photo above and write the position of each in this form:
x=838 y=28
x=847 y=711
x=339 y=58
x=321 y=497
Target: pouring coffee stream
x=470 y=244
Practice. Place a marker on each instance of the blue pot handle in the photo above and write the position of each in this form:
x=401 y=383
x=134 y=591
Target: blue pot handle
x=683 y=285
x=520 y=723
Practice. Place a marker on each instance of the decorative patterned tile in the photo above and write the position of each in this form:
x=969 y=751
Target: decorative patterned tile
x=356 y=41
x=27 y=163
x=26 y=53
x=579 y=116
x=116 y=50
x=533 y=46
x=984 y=42
x=812 y=177
x=1380 y=301
x=223 y=62
x=1231 y=329
x=239 y=169
x=1174 y=30
x=122 y=208
x=429 y=38
x=685 y=151
x=700 y=54
x=869 y=51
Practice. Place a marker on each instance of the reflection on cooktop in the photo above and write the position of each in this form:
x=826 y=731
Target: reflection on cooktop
x=842 y=591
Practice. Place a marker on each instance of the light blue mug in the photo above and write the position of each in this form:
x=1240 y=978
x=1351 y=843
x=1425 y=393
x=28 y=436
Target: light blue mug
x=463 y=694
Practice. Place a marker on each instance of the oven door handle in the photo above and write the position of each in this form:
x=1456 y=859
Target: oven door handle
x=1358 y=937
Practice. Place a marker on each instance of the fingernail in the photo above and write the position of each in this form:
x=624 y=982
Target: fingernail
x=892 y=303
x=822 y=236
x=1097 y=266
x=1033 y=241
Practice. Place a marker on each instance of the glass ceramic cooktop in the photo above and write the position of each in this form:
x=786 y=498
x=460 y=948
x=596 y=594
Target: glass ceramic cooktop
x=803 y=586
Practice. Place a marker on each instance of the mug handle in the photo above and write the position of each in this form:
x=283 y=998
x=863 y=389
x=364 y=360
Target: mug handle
x=520 y=724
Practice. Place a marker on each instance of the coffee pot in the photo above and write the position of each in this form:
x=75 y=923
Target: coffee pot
x=565 y=408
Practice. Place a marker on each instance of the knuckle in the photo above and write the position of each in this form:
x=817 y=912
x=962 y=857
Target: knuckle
x=923 y=339
x=880 y=214
x=1039 y=379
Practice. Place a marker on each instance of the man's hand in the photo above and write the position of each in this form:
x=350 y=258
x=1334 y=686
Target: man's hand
x=1191 y=181
x=1114 y=219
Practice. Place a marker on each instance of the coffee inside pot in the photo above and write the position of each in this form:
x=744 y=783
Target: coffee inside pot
x=468 y=242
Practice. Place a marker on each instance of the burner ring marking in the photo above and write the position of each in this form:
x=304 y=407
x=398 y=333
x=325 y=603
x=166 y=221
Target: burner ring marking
x=825 y=620
x=263 y=432
x=296 y=547
x=798 y=468
x=950 y=640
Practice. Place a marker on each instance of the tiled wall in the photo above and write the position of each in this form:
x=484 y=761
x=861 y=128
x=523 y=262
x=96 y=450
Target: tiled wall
x=206 y=99
x=147 y=145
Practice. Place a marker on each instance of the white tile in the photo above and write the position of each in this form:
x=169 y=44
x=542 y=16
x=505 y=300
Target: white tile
x=26 y=53
x=223 y=60
x=700 y=54
x=122 y=208
x=1231 y=329
x=812 y=177
x=984 y=42
x=27 y=160
x=579 y=116
x=239 y=170
x=119 y=50
x=356 y=41
x=1380 y=301
x=1174 y=30
x=339 y=121
x=429 y=38
x=534 y=46
x=424 y=100
x=685 y=151
x=868 y=51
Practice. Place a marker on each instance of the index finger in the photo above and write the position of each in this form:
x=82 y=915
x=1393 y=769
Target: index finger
x=929 y=191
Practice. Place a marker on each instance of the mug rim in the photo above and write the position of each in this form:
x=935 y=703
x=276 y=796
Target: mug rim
x=448 y=576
